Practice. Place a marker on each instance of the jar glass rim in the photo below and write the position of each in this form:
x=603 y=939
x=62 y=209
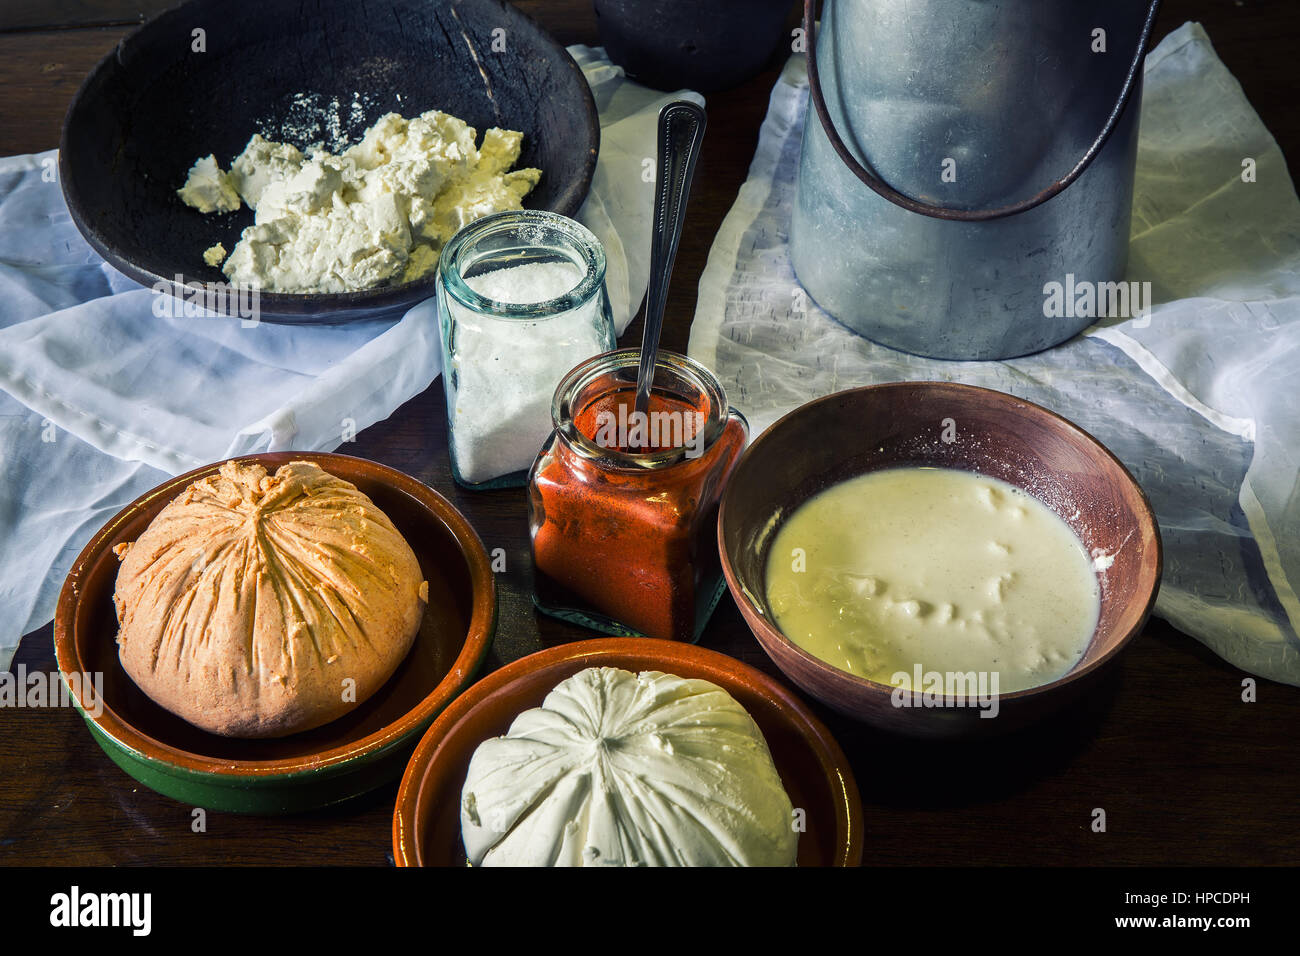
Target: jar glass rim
x=667 y=363
x=579 y=238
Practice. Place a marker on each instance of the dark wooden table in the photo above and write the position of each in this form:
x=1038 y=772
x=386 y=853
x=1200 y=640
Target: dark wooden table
x=1186 y=771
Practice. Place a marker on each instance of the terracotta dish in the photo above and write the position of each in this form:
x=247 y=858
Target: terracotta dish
x=351 y=755
x=816 y=775
x=899 y=424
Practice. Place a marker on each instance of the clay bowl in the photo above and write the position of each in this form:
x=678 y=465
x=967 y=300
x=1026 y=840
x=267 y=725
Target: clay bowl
x=352 y=755
x=154 y=105
x=883 y=426
x=426 y=824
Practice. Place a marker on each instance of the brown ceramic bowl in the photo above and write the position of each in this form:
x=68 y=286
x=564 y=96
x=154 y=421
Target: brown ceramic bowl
x=361 y=750
x=426 y=824
x=899 y=424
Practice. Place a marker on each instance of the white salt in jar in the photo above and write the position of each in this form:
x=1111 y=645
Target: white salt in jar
x=522 y=300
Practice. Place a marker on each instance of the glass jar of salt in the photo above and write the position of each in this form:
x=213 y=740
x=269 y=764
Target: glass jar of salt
x=522 y=300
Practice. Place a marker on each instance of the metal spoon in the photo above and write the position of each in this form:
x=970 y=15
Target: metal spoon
x=681 y=130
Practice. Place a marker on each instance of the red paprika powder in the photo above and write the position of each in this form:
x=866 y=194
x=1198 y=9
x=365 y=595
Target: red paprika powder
x=623 y=507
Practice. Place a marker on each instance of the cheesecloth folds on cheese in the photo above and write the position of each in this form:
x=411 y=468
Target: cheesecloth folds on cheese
x=621 y=769
x=252 y=599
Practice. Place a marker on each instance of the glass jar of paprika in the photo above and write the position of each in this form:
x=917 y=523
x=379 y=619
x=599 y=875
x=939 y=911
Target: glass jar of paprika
x=623 y=505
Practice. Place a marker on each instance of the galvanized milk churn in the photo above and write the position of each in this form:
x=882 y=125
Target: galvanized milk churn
x=961 y=155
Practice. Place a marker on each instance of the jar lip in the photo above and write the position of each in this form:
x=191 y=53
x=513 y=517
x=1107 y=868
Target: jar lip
x=582 y=240
x=562 y=410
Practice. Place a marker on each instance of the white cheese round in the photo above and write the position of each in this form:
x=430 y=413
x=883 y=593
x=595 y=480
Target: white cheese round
x=623 y=769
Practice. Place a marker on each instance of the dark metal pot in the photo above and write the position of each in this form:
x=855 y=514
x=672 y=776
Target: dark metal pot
x=701 y=44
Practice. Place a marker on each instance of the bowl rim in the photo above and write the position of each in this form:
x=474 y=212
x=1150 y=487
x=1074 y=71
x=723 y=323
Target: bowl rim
x=650 y=654
x=170 y=759
x=769 y=635
x=304 y=307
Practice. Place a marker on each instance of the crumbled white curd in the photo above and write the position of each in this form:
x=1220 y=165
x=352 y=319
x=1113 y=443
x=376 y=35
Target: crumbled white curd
x=377 y=213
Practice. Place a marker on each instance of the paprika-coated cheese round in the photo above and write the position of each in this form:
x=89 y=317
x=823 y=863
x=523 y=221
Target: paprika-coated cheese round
x=259 y=605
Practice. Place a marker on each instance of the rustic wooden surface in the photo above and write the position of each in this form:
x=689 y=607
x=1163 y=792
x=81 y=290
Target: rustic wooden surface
x=1186 y=772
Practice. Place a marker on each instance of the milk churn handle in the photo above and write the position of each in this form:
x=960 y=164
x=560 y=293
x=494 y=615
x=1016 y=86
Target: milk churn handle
x=882 y=188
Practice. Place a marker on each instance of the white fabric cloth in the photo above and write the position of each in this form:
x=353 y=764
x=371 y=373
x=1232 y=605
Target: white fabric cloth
x=1198 y=398
x=103 y=399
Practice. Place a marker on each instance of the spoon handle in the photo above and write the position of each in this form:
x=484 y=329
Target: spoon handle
x=681 y=130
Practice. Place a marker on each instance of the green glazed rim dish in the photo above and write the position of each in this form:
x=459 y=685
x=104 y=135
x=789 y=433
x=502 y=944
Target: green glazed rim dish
x=350 y=756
